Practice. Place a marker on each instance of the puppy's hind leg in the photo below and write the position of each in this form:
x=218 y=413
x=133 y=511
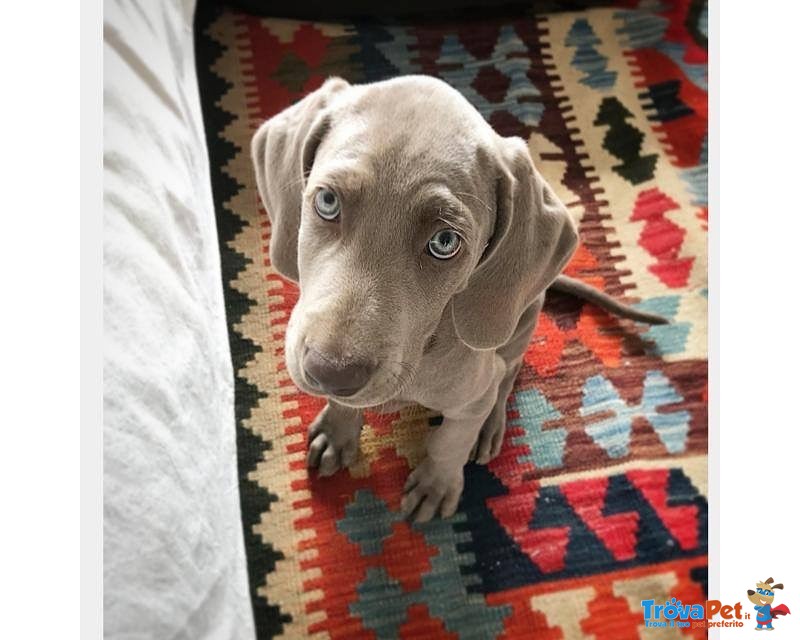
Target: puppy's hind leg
x=333 y=438
x=490 y=438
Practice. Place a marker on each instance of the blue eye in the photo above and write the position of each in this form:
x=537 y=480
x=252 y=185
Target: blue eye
x=444 y=244
x=326 y=204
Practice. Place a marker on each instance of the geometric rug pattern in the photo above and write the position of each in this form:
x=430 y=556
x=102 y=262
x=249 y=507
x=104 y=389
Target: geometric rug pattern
x=597 y=499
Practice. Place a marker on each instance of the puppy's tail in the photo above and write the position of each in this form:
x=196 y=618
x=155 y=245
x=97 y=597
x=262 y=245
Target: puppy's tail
x=581 y=290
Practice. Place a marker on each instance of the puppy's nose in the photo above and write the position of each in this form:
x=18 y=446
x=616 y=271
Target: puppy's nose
x=339 y=378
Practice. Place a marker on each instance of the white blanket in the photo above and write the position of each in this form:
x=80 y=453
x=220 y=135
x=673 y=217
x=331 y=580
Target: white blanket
x=174 y=563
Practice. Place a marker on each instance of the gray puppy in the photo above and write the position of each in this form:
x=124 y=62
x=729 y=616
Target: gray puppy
x=423 y=243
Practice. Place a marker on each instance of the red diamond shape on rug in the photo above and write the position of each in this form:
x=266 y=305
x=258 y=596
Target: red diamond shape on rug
x=617 y=531
x=662 y=238
x=406 y=556
x=547 y=548
x=549 y=341
x=680 y=521
x=310 y=45
x=420 y=624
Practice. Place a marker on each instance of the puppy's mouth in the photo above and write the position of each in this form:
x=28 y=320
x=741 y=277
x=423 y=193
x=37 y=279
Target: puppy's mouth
x=350 y=386
x=340 y=393
x=373 y=394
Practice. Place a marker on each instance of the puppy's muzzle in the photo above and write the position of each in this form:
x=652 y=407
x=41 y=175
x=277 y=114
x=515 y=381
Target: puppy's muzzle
x=333 y=376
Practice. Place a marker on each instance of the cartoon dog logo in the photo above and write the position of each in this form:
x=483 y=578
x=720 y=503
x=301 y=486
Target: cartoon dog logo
x=762 y=597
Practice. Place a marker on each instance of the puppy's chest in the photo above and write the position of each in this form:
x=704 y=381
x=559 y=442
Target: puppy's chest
x=447 y=376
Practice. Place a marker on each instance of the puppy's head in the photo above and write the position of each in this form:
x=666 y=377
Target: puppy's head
x=764 y=592
x=394 y=206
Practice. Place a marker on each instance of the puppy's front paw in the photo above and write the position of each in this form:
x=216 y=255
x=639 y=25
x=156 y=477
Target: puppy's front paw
x=332 y=443
x=430 y=488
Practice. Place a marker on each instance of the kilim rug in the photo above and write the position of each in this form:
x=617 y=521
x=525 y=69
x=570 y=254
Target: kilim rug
x=597 y=500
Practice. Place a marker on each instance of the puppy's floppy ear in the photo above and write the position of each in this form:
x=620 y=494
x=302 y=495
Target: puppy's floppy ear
x=283 y=151
x=533 y=238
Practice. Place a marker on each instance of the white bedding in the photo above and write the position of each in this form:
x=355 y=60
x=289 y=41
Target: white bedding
x=174 y=563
